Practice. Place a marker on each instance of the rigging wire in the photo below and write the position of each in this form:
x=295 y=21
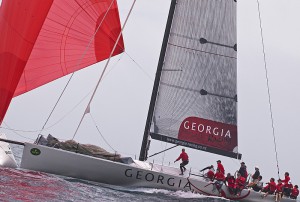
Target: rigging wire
x=15 y=131
x=87 y=110
x=101 y=133
x=268 y=86
x=63 y=117
x=61 y=94
x=140 y=67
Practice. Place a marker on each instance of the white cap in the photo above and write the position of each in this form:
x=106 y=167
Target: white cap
x=257 y=167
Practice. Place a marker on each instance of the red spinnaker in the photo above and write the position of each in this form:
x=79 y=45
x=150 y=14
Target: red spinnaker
x=45 y=40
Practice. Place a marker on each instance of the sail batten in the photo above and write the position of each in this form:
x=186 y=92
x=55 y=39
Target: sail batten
x=195 y=103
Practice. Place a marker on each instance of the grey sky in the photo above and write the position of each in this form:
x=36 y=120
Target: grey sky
x=121 y=105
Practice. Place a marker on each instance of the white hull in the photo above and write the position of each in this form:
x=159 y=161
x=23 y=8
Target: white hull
x=135 y=174
x=7 y=158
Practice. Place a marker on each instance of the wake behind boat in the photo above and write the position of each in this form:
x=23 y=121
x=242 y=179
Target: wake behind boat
x=194 y=97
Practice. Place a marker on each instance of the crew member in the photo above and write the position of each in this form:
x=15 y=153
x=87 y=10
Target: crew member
x=210 y=173
x=278 y=192
x=295 y=192
x=220 y=167
x=185 y=160
x=230 y=183
x=243 y=170
x=270 y=188
x=239 y=184
x=256 y=174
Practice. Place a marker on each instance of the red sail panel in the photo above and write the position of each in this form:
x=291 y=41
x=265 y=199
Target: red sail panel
x=45 y=40
x=20 y=24
x=66 y=42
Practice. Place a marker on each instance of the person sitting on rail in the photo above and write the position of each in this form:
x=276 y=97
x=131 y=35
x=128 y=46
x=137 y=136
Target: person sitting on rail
x=219 y=179
x=243 y=170
x=270 y=188
x=278 y=192
x=295 y=192
x=257 y=184
x=230 y=183
x=239 y=184
x=287 y=184
x=256 y=174
x=210 y=173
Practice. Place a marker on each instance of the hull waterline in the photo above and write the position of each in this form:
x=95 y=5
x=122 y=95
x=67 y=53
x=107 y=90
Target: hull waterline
x=132 y=174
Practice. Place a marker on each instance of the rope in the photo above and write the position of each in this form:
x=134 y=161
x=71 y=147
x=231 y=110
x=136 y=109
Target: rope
x=268 y=87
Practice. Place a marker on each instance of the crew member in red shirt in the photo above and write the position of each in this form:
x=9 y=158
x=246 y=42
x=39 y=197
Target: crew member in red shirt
x=219 y=177
x=230 y=182
x=295 y=192
x=220 y=167
x=286 y=178
x=286 y=185
x=278 y=192
x=239 y=184
x=185 y=160
x=210 y=173
x=270 y=188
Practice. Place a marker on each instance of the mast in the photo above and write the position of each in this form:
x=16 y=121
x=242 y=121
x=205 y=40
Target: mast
x=145 y=143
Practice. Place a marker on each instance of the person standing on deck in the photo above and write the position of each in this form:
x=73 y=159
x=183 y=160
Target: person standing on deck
x=185 y=160
x=256 y=174
x=243 y=170
x=220 y=167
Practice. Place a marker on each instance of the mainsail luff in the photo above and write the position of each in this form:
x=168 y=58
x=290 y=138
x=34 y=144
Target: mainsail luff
x=195 y=102
x=144 y=146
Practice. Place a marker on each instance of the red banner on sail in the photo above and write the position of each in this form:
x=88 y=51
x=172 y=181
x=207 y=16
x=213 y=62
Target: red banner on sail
x=209 y=133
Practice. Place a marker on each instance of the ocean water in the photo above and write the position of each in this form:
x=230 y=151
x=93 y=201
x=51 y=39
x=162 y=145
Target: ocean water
x=23 y=185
